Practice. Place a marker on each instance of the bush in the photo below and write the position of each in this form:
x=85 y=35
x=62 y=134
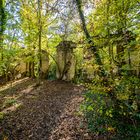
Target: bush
x=101 y=113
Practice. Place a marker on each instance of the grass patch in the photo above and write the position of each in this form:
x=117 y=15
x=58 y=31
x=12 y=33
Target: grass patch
x=9 y=102
x=1 y=116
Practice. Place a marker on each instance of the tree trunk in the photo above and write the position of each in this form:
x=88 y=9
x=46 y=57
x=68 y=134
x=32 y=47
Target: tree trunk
x=89 y=39
x=39 y=41
x=2 y=25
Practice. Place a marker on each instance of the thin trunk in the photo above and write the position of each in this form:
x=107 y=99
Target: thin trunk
x=30 y=69
x=39 y=41
x=2 y=25
x=89 y=39
x=108 y=38
x=129 y=59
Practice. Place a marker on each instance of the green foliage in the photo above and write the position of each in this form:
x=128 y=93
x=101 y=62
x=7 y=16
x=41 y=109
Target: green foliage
x=9 y=102
x=10 y=61
x=52 y=72
x=112 y=102
x=97 y=111
x=100 y=110
x=1 y=116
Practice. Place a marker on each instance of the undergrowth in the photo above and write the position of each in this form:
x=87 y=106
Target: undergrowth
x=102 y=115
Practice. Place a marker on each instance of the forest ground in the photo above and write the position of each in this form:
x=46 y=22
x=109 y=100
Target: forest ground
x=46 y=112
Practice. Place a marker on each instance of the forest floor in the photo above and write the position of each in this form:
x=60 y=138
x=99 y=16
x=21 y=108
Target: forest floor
x=47 y=112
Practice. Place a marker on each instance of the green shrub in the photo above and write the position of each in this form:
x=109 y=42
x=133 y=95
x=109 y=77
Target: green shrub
x=1 y=115
x=101 y=113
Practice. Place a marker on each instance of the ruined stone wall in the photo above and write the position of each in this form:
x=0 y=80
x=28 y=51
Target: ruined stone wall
x=28 y=68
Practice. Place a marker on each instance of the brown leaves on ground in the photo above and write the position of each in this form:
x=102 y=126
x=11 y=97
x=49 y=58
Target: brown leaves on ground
x=48 y=112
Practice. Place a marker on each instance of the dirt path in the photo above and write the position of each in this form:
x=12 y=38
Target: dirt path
x=48 y=112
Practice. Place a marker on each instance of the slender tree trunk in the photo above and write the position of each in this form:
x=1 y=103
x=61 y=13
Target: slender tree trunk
x=2 y=29
x=89 y=39
x=33 y=65
x=108 y=38
x=39 y=41
x=30 y=69
x=2 y=25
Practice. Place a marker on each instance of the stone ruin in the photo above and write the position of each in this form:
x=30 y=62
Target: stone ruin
x=65 y=60
x=27 y=68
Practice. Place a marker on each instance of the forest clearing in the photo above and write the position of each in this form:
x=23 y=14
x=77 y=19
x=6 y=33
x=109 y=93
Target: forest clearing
x=69 y=70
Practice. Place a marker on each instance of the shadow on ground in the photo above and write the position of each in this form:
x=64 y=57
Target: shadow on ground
x=48 y=112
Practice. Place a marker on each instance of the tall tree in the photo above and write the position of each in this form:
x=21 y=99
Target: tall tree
x=89 y=39
x=2 y=24
x=39 y=40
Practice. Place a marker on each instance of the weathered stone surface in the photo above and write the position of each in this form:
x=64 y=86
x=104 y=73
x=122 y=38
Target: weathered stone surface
x=45 y=62
x=65 y=61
